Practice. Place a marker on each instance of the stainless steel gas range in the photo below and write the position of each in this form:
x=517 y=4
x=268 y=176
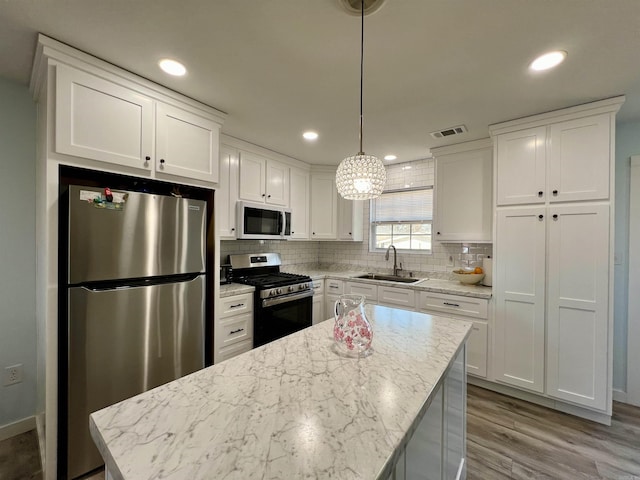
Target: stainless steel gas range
x=282 y=301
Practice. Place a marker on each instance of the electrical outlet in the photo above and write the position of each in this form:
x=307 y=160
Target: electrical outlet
x=13 y=374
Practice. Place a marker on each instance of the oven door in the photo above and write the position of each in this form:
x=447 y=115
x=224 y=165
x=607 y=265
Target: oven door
x=278 y=317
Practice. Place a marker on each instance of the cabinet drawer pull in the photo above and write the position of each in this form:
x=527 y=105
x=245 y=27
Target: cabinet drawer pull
x=333 y=286
x=451 y=304
x=237 y=305
x=236 y=331
x=540 y=193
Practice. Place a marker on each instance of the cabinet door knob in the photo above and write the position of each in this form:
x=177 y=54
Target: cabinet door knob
x=268 y=196
x=233 y=229
x=313 y=233
x=555 y=216
x=147 y=158
x=437 y=233
x=540 y=217
x=555 y=192
x=162 y=160
x=540 y=193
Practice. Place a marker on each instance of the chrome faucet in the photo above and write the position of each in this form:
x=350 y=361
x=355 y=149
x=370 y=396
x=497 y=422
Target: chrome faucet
x=395 y=266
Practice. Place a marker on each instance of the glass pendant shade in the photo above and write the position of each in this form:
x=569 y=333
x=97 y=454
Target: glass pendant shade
x=360 y=177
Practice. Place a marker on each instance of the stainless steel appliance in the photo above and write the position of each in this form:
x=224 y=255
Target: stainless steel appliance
x=282 y=301
x=136 y=300
x=257 y=221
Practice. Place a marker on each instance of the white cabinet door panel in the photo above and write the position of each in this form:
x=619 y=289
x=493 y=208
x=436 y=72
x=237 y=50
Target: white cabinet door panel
x=463 y=196
x=100 y=120
x=299 y=204
x=521 y=167
x=367 y=290
x=577 y=319
x=252 y=177
x=579 y=152
x=477 y=350
x=186 y=144
x=324 y=210
x=277 y=186
x=227 y=193
x=520 y=298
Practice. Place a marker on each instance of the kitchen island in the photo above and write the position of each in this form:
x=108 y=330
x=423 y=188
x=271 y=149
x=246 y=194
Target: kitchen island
x=295 y=408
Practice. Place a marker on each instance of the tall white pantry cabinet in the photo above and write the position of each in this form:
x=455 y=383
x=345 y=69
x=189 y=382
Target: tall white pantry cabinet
x=553 y=249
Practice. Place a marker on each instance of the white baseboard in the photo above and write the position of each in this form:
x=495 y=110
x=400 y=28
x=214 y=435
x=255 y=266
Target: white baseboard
x=40 y=429
x=16 y=428
x=619 y=396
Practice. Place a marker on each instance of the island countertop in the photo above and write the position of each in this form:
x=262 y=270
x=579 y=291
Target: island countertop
x=293 y=408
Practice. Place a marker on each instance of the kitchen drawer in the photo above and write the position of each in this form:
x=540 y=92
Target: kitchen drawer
x=235 y=329
x=453 y=304
x=397 y=297
x=236 y=305
x=367 y=290
x=234 y=350
x=477 y=350
x=334 y=287
x=318 y=287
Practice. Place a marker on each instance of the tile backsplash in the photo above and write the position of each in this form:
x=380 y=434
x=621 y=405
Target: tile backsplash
x=444 y=258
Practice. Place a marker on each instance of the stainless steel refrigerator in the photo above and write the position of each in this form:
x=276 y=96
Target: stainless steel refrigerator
x=136 y=303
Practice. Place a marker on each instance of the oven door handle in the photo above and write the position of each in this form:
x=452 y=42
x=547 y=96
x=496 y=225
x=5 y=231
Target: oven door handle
x=269 y=302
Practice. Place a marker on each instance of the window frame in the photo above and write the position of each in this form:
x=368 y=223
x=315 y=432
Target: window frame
x=373 y=225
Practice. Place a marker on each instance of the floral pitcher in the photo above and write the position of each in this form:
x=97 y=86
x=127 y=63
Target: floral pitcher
x=352 y=331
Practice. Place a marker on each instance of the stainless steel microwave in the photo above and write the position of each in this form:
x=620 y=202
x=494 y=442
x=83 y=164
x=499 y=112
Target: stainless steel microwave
x=257 y=221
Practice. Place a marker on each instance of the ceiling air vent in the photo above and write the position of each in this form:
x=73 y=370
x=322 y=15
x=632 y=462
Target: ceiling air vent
x=447 y=132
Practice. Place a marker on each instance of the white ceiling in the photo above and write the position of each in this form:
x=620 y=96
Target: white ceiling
x=278 y=67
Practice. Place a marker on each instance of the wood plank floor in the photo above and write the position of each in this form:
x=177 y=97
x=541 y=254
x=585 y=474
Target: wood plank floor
x=506 y=439
x=509 y=438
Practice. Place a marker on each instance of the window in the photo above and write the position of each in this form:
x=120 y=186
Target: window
x=402 y=218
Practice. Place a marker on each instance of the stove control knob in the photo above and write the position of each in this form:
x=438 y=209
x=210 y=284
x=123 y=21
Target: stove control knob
x=279 y=291
x=291 y=289
x=272 y=293
x=303 y=286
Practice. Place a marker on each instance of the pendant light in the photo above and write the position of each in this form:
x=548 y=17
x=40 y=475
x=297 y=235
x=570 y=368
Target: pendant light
x=361 y=176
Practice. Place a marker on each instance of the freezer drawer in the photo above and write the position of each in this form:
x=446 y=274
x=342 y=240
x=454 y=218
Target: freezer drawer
x=148 y=235
x=123 y=342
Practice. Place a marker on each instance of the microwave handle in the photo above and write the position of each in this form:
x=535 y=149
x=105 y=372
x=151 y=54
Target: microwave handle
x=281 y=223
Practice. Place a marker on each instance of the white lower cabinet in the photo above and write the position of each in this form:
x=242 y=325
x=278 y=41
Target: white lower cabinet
x=397 y=297
x=471 y=309
x=233 y=330
x=368 y=290
x=436 y=450
x=577 y=304
x=318 y=302
x=568 y=246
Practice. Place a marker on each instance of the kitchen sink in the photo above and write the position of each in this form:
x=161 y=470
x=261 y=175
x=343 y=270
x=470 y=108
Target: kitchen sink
x=389 y=278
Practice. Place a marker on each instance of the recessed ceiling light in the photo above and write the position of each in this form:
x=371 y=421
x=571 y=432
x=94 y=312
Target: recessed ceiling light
x=172 y=67
x=310 y=135
x=548 y=60
x=390 y=157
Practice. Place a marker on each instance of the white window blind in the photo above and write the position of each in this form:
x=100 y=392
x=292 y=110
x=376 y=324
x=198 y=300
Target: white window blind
x=406 y=206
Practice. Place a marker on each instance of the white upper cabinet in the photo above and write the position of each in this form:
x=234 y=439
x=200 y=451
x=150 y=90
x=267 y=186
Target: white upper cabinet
x=521 y=167
x=579 y=152
x=101 y=120
x=463 y=192
x=350 y=219
x=186 y=144
x=227 y=193
x=324 y=210
x=299 y=202
x=263 y=180
x=111 y=120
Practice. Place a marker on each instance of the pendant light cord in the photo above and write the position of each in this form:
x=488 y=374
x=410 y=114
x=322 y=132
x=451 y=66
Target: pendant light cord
x=361 y=71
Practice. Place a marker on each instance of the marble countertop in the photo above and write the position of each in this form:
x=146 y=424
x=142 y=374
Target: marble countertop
x=293 y=408
x=231 y=289
x=435 y=285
